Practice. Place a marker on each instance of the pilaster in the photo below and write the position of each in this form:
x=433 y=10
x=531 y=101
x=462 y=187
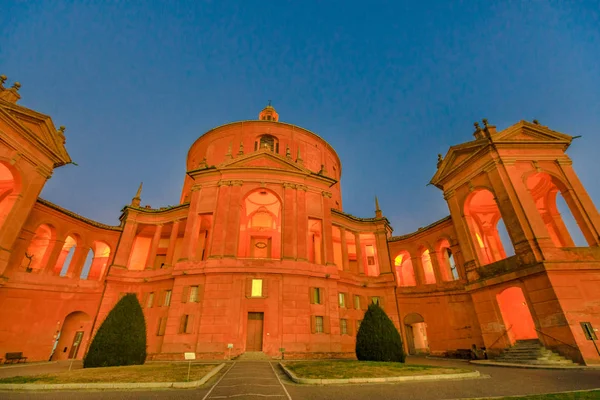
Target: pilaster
x=289 y=222
x=302 y=221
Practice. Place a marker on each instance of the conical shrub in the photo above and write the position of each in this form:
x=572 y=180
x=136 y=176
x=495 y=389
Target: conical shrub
x=121 y=339
x=377 y=338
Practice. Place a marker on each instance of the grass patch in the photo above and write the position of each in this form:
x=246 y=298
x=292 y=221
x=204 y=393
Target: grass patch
x=167 y=372
x=592 y=395
x=362 y=369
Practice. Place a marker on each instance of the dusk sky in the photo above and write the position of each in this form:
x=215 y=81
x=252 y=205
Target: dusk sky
x=388 y=84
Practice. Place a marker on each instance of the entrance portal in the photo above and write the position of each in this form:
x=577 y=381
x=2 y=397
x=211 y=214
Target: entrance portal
x=254 y=336
x=515 y=312
x=416 y=334
x=70 y=339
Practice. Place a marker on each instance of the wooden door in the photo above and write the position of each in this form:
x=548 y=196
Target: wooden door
x=410 y=339
x=255 y=331
x=75 y=345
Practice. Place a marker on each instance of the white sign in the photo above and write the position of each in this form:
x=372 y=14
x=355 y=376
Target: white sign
x=230 y=346
x=189 y=356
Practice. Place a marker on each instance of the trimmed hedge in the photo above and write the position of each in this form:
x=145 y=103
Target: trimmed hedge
x=377 y=338
x=121 y=339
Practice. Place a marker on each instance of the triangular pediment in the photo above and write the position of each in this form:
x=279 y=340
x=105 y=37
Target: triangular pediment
x=37 y=128
x=263 y=159
x=527 y=132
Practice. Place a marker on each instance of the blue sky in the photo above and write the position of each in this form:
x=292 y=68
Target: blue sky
x=388 y=84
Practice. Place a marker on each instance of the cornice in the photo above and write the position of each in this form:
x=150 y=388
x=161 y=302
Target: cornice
x=77 y=216
x=420 y=230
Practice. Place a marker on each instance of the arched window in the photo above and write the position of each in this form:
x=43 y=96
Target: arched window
x=487 y=228
x=448 y=269
x=39 y=249
x=428 y=272
x=87 y=265
x=405 y=272
x=63 y=263
x=260 y=225
x=100 y=254
x=559 y=213
x=267 y=141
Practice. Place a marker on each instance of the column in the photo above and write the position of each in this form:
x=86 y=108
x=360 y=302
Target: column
x=435 y=263
x=302 y=222
x=78 y=261
x=53 y=259
x=382 y=252
x=289 y=223
x=417 y=263
x=153 y=247
x=345 y=262
x=220 y=221
x=172 y=243
x=190 y=236
x=359 y=258
x=125 y=244
x=464 y=236
x=327 y=233
x=233 y=220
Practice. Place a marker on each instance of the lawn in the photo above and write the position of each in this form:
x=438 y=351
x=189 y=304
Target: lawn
x=362 y=369
x=593 y=395
x=167 y=372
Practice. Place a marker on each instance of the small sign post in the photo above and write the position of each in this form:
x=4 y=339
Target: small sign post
x=230 y=346
x=189 y=357
x=282 y=350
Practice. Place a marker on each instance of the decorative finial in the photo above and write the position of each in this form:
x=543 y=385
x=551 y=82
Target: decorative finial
x=485 y=122
x=61 y=129
x=299 y=159
x=203 y=164
x=288 y=152
x=16 y=86
x=241 y=151
x=477 y=127
x=269 y=103
x=3 y=79
x=440 y=160
x=535 y=121
x=378 y=213
x=135 y=202
x=228 y=155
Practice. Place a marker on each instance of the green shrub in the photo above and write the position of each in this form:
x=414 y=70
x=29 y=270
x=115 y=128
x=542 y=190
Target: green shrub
x=377 y=338
x=121 y=339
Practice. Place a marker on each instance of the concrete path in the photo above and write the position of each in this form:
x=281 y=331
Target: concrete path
x=28 y=369
x=249 y=380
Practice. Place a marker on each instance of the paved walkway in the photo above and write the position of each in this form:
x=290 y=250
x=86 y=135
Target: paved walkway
x=249 y=380
x=27 y=369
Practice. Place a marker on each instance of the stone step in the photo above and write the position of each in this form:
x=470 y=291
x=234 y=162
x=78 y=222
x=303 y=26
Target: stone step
x=253 y=356
x=532 y=352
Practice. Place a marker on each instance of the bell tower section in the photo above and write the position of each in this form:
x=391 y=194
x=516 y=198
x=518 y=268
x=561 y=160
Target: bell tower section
x=504 y=190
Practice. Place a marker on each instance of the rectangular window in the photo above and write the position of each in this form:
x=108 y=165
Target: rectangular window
x=167 y=300
x=343 y=326
x=342 y=299
x=257 y=288
x=193 y=294
x=357 y=302
x=185 y=324
x=150 y=300
x=319 y=324
x=588 y=331
x=162 y=324
x=316 y=296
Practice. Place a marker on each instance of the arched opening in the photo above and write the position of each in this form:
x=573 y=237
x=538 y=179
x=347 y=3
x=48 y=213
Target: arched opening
x=315 y=241
x=370 y=260
x=516 y=315
x=336 y=237
x=38 y=251
x=9 y=189
x=428 y=273
x=416 y=334
x=268 y=142
x=260 y=225
x=140 y=250
x=447 y=262
x=405 y=273
x=96 y=261
x=485 y=223
x=71 y=338
x=63 y=264
x=559 y=213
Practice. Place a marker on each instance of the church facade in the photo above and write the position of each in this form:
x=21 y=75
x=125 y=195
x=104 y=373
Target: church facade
x=259 y=255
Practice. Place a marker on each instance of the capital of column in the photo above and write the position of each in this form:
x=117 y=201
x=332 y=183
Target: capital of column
x=302 y=187
x=326 y=194
x=236 y=183
x=287 y=185
x=224 y=183
x=449 y=194
x=195 y=188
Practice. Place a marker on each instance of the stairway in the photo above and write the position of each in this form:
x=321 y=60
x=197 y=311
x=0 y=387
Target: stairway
x=532 y=352
x=252 y=356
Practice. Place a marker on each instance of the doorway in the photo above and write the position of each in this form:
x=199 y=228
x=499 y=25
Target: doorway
x=416 y=334
x=516 y=315
x=254 y=338
x=75 y=346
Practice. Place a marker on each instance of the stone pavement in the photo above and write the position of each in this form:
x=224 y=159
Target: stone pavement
x=249 y=380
